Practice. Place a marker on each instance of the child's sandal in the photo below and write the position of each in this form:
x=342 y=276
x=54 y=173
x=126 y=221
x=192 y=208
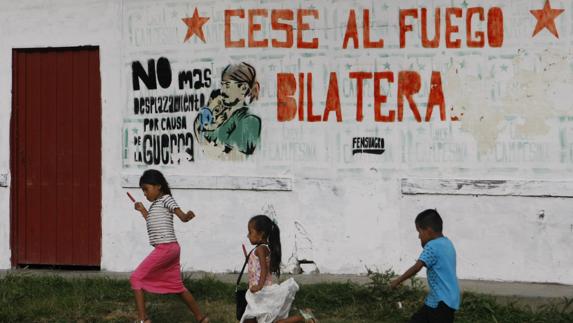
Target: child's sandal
x=308 y=316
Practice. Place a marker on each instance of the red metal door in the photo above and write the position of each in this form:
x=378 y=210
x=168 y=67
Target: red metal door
x=56 y=157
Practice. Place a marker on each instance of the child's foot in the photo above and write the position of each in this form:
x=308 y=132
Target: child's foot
x=308 y=316
x=205 y=319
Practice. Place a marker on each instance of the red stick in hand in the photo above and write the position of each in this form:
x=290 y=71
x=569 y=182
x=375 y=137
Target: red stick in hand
x=131 y=197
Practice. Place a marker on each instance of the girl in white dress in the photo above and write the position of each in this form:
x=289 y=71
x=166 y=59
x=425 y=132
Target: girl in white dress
x=268 y=302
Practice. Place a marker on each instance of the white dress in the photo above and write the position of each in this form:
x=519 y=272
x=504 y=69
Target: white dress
x=273 y=301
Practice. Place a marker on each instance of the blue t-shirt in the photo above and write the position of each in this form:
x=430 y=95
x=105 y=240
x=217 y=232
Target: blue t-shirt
x=439 y=256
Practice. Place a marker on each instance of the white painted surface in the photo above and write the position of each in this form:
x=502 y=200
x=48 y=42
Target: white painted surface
x=3 y=179
x=345 y=212
x=219 y=182
x=495 y=187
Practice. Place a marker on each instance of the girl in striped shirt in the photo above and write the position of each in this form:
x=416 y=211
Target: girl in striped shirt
x=160 y=271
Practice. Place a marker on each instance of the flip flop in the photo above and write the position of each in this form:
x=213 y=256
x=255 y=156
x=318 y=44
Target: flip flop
x=308 y=316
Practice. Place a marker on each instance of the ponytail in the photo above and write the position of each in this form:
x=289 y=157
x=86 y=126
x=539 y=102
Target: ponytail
x=275 y=246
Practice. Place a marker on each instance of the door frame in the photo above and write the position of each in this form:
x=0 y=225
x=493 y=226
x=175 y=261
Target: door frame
x=16 y=156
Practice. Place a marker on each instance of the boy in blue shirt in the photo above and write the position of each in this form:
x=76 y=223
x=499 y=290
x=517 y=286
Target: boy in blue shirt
x=439 y=258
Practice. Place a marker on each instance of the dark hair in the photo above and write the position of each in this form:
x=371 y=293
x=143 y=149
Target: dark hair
x=154 y=177
x=270 y=230
x=429 y=218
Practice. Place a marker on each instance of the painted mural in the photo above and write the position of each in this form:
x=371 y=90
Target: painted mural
x=225 y=127
x=385 y=83
x=160 y=134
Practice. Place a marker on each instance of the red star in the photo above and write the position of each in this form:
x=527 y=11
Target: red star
x=195 y=25
x=546 y=19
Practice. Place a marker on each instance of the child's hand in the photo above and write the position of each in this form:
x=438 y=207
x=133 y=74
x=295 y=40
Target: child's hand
x=255 y=289
x=190 y=215
x=395 y=283
x=139 y=206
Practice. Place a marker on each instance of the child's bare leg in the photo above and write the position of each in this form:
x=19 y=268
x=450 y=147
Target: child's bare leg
x=192 y=305
x=292 y=319
x=140 y=304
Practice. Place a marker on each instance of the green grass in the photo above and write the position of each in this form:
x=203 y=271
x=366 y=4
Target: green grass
x=57 y=299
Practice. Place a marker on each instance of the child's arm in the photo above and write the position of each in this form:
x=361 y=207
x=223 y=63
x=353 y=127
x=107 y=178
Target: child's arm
x=185 y=217
x=408 y=274
x=139 y=206
x=262 y=253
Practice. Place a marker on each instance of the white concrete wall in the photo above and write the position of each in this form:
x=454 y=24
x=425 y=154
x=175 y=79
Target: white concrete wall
x=345 y=212
x=37 y=24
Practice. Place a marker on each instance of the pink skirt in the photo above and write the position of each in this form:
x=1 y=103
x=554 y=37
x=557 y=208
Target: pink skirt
x=160 y=271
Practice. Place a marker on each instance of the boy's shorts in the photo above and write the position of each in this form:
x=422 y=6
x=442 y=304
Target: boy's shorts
x=442 y=314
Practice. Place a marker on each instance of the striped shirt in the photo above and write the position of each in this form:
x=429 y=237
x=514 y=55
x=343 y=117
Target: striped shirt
x=160 y=220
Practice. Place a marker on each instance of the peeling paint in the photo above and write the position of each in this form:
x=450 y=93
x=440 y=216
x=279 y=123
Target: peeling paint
x=481 y=118
x=479 y=187
x=532 y=95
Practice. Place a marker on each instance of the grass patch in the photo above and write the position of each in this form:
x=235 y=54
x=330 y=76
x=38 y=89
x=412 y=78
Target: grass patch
x=56 y=299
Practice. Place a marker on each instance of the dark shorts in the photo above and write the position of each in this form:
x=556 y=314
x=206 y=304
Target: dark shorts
x=442 y=314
